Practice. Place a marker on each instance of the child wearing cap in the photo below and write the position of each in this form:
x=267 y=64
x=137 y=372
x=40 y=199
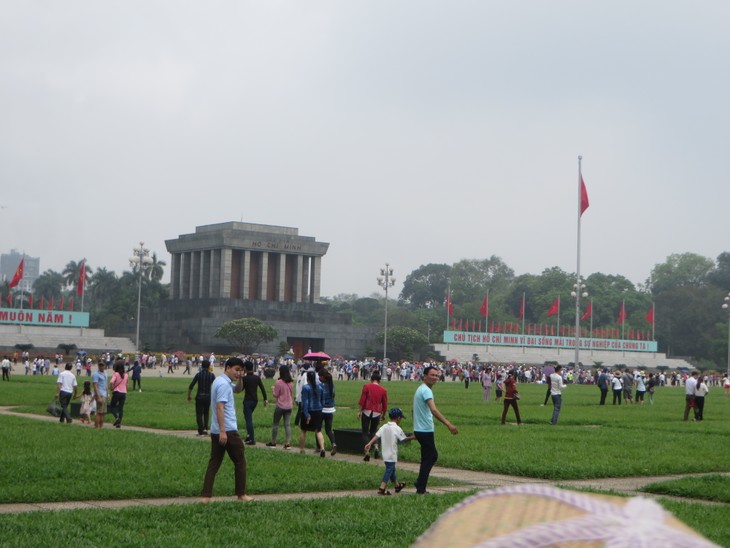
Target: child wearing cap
x=390 y=434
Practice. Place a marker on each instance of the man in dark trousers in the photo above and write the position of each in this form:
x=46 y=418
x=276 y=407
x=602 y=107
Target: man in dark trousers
x=204 y=379
x=248 y=384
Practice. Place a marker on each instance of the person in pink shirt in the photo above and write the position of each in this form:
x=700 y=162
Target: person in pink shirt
x=118 y=384
x=283 y=395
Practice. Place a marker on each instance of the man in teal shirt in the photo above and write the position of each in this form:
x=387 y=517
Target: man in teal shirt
x=224 y=436
x=424 y=410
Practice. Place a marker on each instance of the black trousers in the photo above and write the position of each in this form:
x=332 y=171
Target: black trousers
x=202 y=413
x=429 y=456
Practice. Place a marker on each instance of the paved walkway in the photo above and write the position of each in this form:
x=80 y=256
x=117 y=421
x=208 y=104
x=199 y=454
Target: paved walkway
x=469 y=479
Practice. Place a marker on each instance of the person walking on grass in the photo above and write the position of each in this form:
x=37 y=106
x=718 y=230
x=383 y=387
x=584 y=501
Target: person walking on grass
x=511 y=396
x=651 y=385
x=617 y=386
x=311 y=420
x=66 y=387
x=249 y=384
x=689 y=395
x=224 y=436
x=328 y=407
x=101 y=394
x=389 y=435
x=556 y=392
x=424 y=410
x=603 y=382
x=118 y=384
x=282 y=392
x=204 y=380
x=373 y=403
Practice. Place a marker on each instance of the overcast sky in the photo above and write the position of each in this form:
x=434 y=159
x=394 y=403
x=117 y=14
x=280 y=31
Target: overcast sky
x=408 y=132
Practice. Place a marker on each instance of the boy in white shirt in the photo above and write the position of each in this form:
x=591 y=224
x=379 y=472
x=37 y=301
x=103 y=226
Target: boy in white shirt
x=389 y=435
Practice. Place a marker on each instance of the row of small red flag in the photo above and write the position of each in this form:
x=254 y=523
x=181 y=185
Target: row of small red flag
x=41 y=304
x=548 y=330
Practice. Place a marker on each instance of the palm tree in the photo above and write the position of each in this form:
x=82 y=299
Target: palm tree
x=156 y=271
x=104 y=285
x=71 y=273
x=49 y=285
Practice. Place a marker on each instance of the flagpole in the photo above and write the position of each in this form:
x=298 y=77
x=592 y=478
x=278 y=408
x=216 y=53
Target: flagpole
x=577 y=274
x=448 y=305
x=623 y=319
x=653 y=319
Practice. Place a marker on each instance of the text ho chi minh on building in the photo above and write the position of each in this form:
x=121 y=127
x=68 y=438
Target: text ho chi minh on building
x=232 y=270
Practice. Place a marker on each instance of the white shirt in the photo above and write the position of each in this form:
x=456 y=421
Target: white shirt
x=390 y=434
x=556 y=384
x=689 y=386
x=67 y=380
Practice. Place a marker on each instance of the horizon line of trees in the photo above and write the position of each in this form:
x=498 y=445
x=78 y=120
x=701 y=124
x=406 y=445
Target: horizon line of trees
x=686 y=291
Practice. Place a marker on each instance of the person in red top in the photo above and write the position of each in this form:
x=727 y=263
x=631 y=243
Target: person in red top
x=373 y=404
x=511 y=396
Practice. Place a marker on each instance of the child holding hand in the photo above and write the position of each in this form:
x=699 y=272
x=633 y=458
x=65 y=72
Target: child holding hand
x=389 y=435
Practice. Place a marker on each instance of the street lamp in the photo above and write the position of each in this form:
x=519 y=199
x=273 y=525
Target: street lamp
x=140 y=262
x=579 y=290
x=726 y=306
x=386 y=280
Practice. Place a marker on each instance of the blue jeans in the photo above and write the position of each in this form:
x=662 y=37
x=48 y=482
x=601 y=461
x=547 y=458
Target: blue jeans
x=557 y=404
x=389 y=473
x=248 y=407
x=429 y=456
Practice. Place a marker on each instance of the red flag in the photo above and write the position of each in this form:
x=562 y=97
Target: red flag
x=71 y=304
x=453 y=324
x=583 y=196
x=552 y=330
x=555 y=308
x=460 y=325
x=10 y=299
x=473 y=324
x=60 y=304
x=40 y=304
x=650 y=315
x=50 y=304
x=491 y=327
x=82 y=279
x=622 y=314
x=480 y=326
x=522 y=308
x=18 y=273
x=30 y=300
x=449 y=305
x=484 y=310
x=589 y=311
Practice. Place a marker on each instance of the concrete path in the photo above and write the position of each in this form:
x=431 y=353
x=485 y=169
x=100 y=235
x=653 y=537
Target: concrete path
x=469 y=479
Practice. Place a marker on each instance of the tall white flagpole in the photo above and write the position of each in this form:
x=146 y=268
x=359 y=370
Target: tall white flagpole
x=578 y=288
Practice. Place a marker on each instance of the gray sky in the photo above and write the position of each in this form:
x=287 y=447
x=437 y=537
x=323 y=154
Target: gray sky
x=407 y=132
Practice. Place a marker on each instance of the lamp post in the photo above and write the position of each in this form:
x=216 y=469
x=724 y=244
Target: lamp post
x=726 y=306
x=386 y=280
x=579 y=290
x=140 y=261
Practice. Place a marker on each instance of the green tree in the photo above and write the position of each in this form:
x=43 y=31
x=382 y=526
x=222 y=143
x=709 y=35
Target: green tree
x=156 y=270
x=403 y=342
x=680 y=270
x=49 y=285
x=720 y=277
x=71 y=273
x=246 y=333
x=426 y=286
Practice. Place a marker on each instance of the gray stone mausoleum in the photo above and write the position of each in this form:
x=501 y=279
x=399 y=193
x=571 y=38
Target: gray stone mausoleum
x=232 y=270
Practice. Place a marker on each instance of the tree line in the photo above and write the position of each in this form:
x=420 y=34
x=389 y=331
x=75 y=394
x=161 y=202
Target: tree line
x=686 y=291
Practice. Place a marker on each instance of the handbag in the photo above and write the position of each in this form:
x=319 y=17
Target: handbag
x=54 y=408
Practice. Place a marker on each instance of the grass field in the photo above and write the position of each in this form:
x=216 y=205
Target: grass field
x=52 y=462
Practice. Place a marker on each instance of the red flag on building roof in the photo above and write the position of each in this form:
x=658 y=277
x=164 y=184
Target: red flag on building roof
x=18 y=273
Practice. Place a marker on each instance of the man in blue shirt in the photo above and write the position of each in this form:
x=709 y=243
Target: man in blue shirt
x=424 y=410
x=100 y=394
x=224 y=436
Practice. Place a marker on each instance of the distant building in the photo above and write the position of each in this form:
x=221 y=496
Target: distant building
x=232 y=270
x=31 y=269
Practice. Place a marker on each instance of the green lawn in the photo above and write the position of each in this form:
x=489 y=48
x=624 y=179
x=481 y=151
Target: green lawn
x=711 y=487
x=53 y=462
